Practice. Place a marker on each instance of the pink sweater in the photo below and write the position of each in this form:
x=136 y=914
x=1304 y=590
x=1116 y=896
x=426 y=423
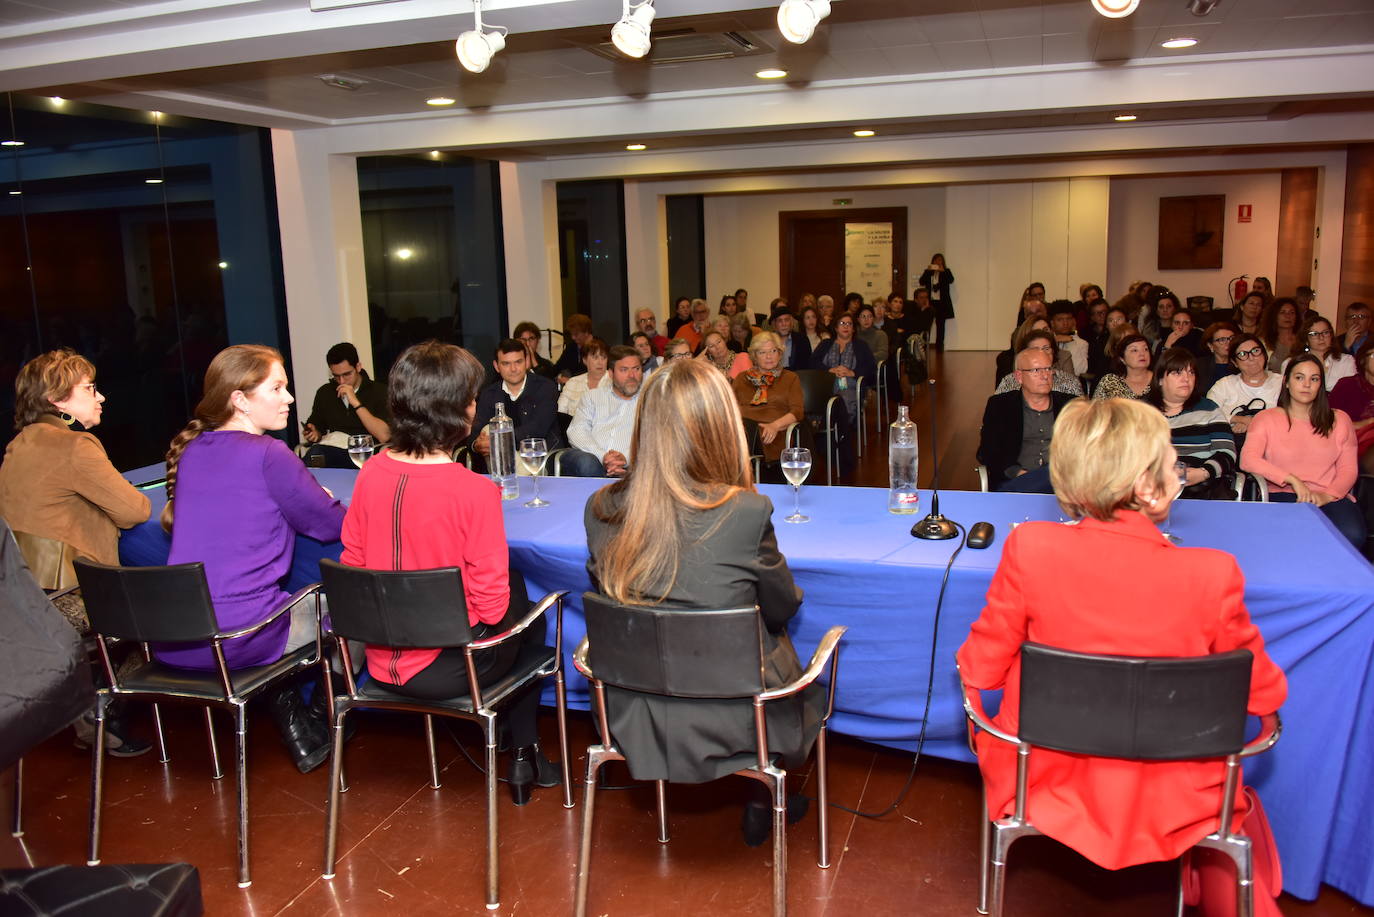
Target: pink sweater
x=1325 y=463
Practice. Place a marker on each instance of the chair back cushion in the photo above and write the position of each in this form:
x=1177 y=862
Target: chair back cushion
x=148 y=604
x=675 y=651
x=49 y=560
x=1134 y=707
x=405 y=609
x=817 y=387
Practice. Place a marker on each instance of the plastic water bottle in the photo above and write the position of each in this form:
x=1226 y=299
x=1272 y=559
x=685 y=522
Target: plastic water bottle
x=902 y=496
x=501 y=459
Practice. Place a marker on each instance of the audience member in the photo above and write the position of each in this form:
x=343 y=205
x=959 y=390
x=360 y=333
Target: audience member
x=1199 y=431
x=414 y=509
x=1263 y=287
x=936 y=280
x=1356 y=331
x=716 y=352
x=531 y=401
x=1354 y=395
x=769 y=396
x=350 y=404
x=677 y=349
x=1041 y=339
x=796 y=347
x=645 y=322
x=1112 y=469
x=807 y=299
x=814 y=329
x=693 y=331
x=649 y=360
x=742 y=300
x=1015 y=440
x=1304 y=298
x=681 y=315
x=1031 y=307
x=1306 y=450
x=826 y=306
x=1249 y=315
x=847 y=359
x=729 y=307
x=1216 y=341
x=875 y=338
x=1089 y=294
x=1166 y=304
x=742 y=330
x=1252 y=389
x=600 y=430
x=687 y=530
x=1181 y=333
x=852 y=302
x=1131 y=376
x=1065 y=327
x=918 y=316
x=235 y=501
x=1279 y=330
x=1321 y=341
x=577 y=331
x=527 y=333
x=1096 y=337
x=594 y=356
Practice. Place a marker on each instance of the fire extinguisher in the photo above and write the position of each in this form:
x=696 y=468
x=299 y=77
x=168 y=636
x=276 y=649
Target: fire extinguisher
x=1239 y=288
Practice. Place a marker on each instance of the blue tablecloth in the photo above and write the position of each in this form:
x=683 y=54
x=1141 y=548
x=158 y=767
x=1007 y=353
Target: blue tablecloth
x=1308 y=592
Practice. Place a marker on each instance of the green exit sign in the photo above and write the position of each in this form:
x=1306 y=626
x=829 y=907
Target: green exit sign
x=842 y=201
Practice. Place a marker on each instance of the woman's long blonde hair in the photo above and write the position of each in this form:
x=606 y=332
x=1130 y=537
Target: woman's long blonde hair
x=687 y=454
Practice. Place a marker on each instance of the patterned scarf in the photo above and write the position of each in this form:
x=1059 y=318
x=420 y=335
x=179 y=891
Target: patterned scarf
x=761 y=380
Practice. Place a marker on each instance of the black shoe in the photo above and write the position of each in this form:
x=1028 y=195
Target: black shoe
x=118 y=743
x=305 y=737
x=528 y=769
x=757 y=822
x=319 y=712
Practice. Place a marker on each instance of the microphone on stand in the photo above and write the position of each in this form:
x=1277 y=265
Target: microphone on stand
x=934 y=527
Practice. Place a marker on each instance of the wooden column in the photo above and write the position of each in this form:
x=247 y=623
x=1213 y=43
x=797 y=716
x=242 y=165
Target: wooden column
x=1357 y=240
x=1297 y=230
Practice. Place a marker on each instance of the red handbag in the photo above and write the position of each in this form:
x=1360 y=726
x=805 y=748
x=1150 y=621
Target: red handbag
x=1209 y=876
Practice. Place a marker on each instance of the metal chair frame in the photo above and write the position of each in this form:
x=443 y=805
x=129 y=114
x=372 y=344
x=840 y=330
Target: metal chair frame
x=996 y=837
x=219 y=691
x=763 y=770
x=481 y=713
x=832 y=445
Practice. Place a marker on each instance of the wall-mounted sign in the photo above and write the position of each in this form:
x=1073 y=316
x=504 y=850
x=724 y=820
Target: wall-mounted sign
x=1244 y=212
x=841 y=201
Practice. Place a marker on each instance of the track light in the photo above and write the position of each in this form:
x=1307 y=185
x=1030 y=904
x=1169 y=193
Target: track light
x=1115 y=9
x=631 y=34
x=797 y=19
x=475 y=49
x=1201 y=7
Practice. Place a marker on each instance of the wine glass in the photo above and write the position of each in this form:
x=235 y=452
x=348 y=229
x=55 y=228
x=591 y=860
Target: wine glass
x=533 y=452
x=360 y=447
x=1181 y=473
x=796 y=465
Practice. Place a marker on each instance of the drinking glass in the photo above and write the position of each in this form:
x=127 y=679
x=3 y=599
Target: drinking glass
x=1181 y=473
x=796 y=465
x=533 y=452
x=360 y=448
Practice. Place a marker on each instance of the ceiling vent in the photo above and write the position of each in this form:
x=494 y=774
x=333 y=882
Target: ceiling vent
x=352 y=84
x=682 y=46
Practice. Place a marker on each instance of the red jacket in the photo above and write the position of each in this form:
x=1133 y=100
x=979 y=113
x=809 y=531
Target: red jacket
x=1132 y=593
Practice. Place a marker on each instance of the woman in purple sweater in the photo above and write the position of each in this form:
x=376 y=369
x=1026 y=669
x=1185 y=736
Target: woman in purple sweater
x=238 y=499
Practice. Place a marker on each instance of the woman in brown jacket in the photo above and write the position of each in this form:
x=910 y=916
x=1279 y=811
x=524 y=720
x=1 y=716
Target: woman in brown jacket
x=770 y=397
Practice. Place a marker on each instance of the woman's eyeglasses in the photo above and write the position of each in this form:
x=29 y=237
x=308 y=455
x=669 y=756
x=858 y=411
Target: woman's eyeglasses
x=1247 y=354
x=90 y=387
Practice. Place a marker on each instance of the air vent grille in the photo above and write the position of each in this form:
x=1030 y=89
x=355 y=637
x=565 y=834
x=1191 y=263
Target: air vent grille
x=685 y=46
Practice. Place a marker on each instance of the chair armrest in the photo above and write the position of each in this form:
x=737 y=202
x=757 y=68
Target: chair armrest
x=580 y=661
x=1271 y=727
x=58 y=593
x=1238 y=485
x=982 y=477
x=794 y=426
x=557 y=462
x=286 y=606
x=530 y=617
x=827 y=648
x=973 y=709
x=1263 y=487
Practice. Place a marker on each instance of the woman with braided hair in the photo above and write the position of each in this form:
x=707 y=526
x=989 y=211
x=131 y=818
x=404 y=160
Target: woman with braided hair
x=236 y=500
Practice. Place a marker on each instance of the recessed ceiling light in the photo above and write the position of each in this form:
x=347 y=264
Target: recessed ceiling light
x=1115 y=9
x=439 y=100
x=771 y=73
x=864 y=133
x=1178 y=43
x=11 y=143
x=152 y=181
x=434 y=154
x=635 y=147
x=1125 y=118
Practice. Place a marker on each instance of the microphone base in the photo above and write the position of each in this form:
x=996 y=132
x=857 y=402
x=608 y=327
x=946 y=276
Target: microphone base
x=934 y=527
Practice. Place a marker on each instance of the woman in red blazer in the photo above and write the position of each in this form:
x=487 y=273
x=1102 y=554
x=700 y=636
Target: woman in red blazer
x=1112 y=468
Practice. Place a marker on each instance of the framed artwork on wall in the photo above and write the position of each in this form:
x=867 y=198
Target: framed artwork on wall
x=1191 y=231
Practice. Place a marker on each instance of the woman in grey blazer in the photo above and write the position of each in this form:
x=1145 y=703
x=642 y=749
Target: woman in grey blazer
x=686 y=529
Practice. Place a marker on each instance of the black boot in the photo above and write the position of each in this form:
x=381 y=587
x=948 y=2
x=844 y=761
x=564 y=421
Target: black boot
x=305 y=738
x=319 y=712
x=528 y=769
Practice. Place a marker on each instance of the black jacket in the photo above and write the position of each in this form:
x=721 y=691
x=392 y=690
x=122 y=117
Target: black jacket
x=533 y=413
x=1003 y=426
x=801 y=352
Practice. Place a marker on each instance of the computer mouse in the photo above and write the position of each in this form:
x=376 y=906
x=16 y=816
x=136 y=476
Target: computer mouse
x=981 y=535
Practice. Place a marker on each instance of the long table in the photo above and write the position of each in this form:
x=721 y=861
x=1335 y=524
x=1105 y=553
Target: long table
x=1310 y=594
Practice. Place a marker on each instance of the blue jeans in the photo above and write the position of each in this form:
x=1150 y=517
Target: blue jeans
x=1344 y=515
x=578 y=464
x=1036 y=481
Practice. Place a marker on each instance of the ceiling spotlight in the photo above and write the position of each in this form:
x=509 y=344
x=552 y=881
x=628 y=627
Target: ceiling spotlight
x=1119 y=9
x=152 y=181
x=1124 y=118
x=11 y=143
x=797 y=19
x=864 y=133
x=58 y=100
x=1178 y=43
x=16 y=192
x=635 y=147
x=631 y=34
x=475 y=49
x=439 y=100
x=1201 y=7
x=772 y=73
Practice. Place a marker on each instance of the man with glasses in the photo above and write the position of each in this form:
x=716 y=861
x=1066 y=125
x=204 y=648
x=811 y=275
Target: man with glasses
x=677 y=349
x=349 y=404
x=1017 y=426
x=696 y=329
x=646 y=323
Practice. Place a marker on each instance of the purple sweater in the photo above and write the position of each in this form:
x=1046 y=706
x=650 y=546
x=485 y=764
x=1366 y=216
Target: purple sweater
x=240 y=500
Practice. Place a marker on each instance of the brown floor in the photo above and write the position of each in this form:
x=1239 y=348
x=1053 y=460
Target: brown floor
x=411 y=850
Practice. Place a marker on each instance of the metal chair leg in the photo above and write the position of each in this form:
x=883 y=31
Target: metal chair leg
x=1245 y=880
x=1182 y=881
x=161 y=741
x=823 y=799
x=561 y=692
x=493 y=874
x=433 y=758
x=214 y=749
x=584 y=850
x=780 y=845
x=241 y=765
x=984 y=855
x=17 y=811
x=661 y=791
x=331 y=815
x=97 y=779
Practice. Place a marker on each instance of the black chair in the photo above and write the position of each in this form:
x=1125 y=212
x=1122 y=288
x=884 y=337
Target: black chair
x=700 y=654
x=413 y=609
x=820 y=406
x=134 y=890
x=172 y=605
x=1140 y=708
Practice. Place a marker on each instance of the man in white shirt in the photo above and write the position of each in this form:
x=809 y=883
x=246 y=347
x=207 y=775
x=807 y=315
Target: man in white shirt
x=600 y=430
x=1065 y=326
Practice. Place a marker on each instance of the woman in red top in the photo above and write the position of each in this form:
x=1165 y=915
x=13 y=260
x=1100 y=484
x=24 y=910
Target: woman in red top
x=1111 y=464
x=413 y=508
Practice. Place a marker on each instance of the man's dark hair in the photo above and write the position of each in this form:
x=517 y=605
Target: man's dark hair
x=637 y=335
x=857 y=297
x=431 y=386
x=1175 y=360
x=508 y=345
x=342 y=353
x=523 y=327
x=1060 y=307
x=620 y=352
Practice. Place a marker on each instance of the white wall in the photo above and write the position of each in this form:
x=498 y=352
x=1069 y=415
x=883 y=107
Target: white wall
x=1248 y=248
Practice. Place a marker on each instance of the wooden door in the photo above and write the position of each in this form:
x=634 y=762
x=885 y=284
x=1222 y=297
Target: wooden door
x=811 y=249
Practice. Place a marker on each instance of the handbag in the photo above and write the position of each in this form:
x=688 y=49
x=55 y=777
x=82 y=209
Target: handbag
x=1209 y=876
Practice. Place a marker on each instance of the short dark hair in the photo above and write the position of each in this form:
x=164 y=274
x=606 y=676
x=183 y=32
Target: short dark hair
x=508 y=345
x=577 y=323
x=342 y=353
x=523 y=327
x=1061 y=307
x=595 y=345
x=1119 y=357
x=1175 y=360
x=1093 y=286
x=639 y=334
x=620 y=352
x=431 y=386
x=1038 y=334
x=1238 y=342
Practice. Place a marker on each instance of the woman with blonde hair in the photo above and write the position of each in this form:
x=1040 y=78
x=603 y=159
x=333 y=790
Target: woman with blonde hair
x=685 y=529
x=769 y=395
x=741 y=332
x=1112 y=467
x=236 y=500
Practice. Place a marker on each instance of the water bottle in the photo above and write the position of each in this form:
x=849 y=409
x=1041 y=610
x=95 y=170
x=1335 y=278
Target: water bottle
x=902 y=496
x=501 y=459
